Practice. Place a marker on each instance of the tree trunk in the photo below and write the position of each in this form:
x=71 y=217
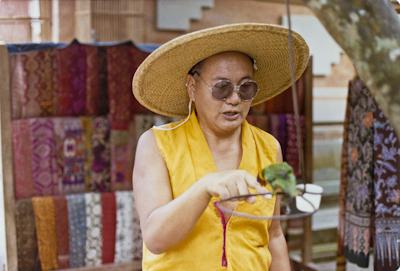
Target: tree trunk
x=369 y=32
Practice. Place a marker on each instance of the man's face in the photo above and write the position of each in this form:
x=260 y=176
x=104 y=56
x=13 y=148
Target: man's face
x=222 y=116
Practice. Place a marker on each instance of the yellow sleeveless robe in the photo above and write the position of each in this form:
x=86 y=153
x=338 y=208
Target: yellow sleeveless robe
x=188 y=158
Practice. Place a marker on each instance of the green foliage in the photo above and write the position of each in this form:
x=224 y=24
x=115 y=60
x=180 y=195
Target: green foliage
x=281 y=178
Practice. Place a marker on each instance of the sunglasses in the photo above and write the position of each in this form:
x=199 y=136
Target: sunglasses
x=223 y=89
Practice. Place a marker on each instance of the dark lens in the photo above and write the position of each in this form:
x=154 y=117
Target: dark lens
x=222 y=90
x=248 y=90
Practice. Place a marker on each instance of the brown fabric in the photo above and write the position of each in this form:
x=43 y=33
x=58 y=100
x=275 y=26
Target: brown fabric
x=46 y=231
x=62 y=232
x=27 y=251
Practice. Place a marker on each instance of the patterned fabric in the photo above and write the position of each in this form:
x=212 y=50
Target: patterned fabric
x=31 y=84
x=359 y=194
x=70 y=154
x=128 y=245
x=277 y=127
x=70 y=80
x=282 y=103
x=46 y=232
x=93 y=229
x=62 y=231
x=108 y=209
x=96 y=80
x=27 y=250
x=22 y=159
x=77 y=230
x=44 y=168
x=387 y=195
x=122 y=62
x=292 y=151
x=122 y=155
x=101 y=154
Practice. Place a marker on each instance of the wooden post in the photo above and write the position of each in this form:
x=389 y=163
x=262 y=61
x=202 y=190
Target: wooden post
x=6 y=161
x=308 y=158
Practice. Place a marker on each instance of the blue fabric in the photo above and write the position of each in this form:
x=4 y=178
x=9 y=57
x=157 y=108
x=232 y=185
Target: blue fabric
x=77 y=229
x=27 y=47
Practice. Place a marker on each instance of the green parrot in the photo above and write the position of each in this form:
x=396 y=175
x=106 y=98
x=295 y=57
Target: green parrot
x=281 y=178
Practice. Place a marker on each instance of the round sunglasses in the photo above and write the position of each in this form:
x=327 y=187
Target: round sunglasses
x=223 y=89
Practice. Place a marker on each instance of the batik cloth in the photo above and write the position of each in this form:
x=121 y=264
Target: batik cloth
x=292 y=148
x=93 y=229
x=35 y=168
x=122 y=62
x=359 y=193
x=62 y=231
x=31 y=84
x=77 y=230
x=70 y=80
x=27 y=250
x=128 y=245
x=71 y=154
x=387 y=195
x=46 y=232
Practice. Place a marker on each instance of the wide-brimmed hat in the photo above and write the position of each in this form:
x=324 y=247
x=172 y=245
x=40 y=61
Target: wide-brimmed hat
x=159 y=82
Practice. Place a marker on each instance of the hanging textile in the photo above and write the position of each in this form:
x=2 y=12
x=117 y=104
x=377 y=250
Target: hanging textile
x=128 y=245
x=31 y=84
x=359 y=194
x=62 y=231
x=93 y=229
x=96 y=80
x=70 y=80
x=108 y=209
x=46 y=232
x=71 y=154
x=281 y=104
x=277 y=127
x=122 y=62
x=77 y=229
x=27 y=250
x=292 y=151
x=123 y=144
x=22 y=159
x=101 y=155
x=387 y=195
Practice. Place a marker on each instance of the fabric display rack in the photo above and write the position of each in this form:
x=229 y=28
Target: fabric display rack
x=369 y=198
x=69 y=127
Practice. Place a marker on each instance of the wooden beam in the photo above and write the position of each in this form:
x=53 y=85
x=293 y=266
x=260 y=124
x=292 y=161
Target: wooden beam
x=293 y=2
x=6 y=161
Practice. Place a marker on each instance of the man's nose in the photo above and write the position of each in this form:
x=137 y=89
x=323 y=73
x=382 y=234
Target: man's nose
x=234 y=98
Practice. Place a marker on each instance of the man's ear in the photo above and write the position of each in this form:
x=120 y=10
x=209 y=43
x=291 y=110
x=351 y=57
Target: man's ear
x=190 y=86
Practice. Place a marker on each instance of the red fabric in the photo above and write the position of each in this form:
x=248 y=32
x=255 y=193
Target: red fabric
x=62 y=232
x=108 y=207
x=70 y=80
x=283 y=103
x=22 y=156
x=122 y=62
x=96 y=80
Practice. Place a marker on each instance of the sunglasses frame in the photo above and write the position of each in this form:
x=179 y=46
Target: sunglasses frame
x=236 y=88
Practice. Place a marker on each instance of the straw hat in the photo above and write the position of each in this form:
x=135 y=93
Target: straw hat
x=159 y=82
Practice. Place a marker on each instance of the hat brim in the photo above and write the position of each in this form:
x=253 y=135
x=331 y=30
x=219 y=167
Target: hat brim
x=159 y=82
